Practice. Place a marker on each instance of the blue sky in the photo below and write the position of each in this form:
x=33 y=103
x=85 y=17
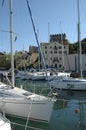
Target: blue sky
x=53 y=12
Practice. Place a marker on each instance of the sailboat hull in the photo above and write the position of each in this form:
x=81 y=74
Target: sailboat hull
x=25 y=108
x=69 y=84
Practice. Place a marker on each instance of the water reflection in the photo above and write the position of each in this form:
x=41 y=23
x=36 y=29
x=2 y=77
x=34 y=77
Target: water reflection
x=77 y=95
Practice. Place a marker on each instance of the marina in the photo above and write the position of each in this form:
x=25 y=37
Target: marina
x=32 y=104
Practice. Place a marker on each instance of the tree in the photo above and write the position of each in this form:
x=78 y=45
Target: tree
x=5 y=61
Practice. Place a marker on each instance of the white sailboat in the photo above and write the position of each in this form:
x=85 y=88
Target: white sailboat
x=70 y=83
x=4 y=123
x=21 y=103
x=40 y=75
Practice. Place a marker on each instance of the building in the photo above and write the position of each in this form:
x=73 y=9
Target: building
x=71 y=62
x=54 y=51
x=33 y=49
x=56 y=54
x=2 y=53
x=57 y=37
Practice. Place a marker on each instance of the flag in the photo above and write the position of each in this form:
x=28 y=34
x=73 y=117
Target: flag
x=15 y=39
x=2 y=2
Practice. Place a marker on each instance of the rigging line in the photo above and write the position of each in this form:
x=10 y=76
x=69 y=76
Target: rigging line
x=35 y=32
x=9 y=32
x=8 y=80
x=43 y=62
x=12 y=33
x=28 y=116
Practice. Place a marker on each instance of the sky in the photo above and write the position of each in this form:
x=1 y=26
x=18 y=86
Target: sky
x=50 y=17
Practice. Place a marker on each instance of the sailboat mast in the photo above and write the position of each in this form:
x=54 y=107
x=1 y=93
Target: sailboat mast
x=11 y=45
x=79 y=42
x=62 y=48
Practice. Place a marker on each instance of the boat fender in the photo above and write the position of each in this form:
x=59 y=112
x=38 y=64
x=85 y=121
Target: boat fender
x=76 y=110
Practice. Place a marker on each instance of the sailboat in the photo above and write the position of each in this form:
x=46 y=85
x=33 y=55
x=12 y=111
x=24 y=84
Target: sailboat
x=70 y=83
x=21 y=103
x=4 y=123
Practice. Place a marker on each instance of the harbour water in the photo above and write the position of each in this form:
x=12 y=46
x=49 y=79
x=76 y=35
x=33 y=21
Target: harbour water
x=69 y=112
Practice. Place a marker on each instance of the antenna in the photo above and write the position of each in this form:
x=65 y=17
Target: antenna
x=48 y=31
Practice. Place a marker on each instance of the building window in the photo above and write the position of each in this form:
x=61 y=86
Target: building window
x=60 y=58
x=60 y=47
x=55 y=59
x=65 y=52
x=51 y=52
x=50 y=47
x=55 y=47
x=55 y=65
x=45 y=47
x=45 y=52
x=60 y=66
x=51 y=58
